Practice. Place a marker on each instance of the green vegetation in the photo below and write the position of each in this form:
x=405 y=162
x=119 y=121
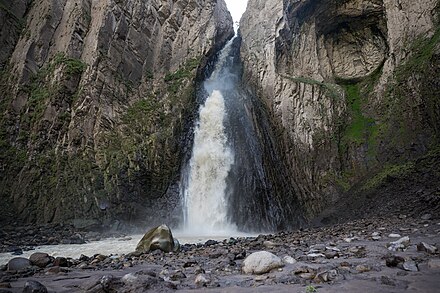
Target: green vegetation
x=175 y=80
x=360 y=126
x=72 y=66
x=390 y=171
x=311 y=289
x=329 y=89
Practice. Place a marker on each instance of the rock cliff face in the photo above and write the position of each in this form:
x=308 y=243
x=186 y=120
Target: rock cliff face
x=96 y=99
x=351 y=86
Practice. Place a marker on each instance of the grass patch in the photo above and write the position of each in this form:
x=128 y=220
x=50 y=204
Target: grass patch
x=390 y=171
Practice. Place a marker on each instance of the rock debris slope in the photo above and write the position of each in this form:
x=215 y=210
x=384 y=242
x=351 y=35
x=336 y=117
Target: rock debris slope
x=96 y=102
x=352 y=90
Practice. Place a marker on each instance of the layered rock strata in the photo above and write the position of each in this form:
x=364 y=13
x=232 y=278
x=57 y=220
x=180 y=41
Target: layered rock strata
x=97 y=103
x=351 y=87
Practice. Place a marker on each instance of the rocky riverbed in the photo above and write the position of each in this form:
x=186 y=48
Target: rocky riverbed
x=374 y=255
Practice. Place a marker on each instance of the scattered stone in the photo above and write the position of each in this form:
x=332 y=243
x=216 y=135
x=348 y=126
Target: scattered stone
x=422 y=246
x=40 y=259
x=211 y=242
x=434 y=264
x=400 y=244
x=375 y=234
x=61 y=262
x=331 y=254
x=362 y=268
x=394 y=235
x=289 y=260
x=426 y=217
x=261 y=262
x=158 y=238
x=34 y=287
x=326 y=276
x=307 y=276
x=18 y=264
x=315 y=255
x=348 y=240
x=270 y=244
x=394 y=261
x=410 y=266
x=201 y=280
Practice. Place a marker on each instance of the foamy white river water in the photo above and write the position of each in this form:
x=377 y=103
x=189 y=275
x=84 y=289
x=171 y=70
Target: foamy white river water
x=115 y=246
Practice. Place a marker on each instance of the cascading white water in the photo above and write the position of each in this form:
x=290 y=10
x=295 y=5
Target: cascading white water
x=205 y=201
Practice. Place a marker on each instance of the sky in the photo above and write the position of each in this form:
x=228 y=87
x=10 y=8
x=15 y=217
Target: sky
x=237 y=8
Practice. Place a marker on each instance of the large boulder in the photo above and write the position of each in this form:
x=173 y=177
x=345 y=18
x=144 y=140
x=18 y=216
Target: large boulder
x=18 y=264
x=261 y=262
x=40 y=259
x=158 y=238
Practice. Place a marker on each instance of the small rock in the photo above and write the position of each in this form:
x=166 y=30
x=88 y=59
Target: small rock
x=374 y=234
x=60 y=262
x=362 y=268
x=289 y=260
x=269 y=244
x=307 y=276
x=106 y=282
x=426 y=217
x=326 y=276
x=400 y=244
x=394 y=235
x=331 y=254
x=34 y=287
x=422 y=246
x=201 y=280
x=434 y=264
x=40 y=259
x=261 y=262
x=348 y=240
x=410 y=266
x=394 y=261
x=18 y=263
x=211 y=242
x=376 y=238
x=315 y=255
x=129 y=279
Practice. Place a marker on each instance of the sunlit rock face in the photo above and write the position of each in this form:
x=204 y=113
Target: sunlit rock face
x=325 y=71
x=99 y=103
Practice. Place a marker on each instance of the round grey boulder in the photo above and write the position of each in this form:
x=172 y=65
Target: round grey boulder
x=261 y=262
x=18 y=264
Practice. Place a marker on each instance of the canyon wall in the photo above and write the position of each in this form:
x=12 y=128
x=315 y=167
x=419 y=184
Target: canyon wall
x=351 y=88
x=97 y=105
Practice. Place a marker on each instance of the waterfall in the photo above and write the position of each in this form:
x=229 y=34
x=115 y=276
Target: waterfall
x=234 y=176
x=205 y=200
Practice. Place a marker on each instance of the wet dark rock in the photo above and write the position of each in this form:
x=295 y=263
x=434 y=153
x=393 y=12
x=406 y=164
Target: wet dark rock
x=158 y=238
x=18 y=263
x=61 y=262
x=5 y=285
x=40 y=259
x=394 y=261
x=34 y=287
x=211 y=242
